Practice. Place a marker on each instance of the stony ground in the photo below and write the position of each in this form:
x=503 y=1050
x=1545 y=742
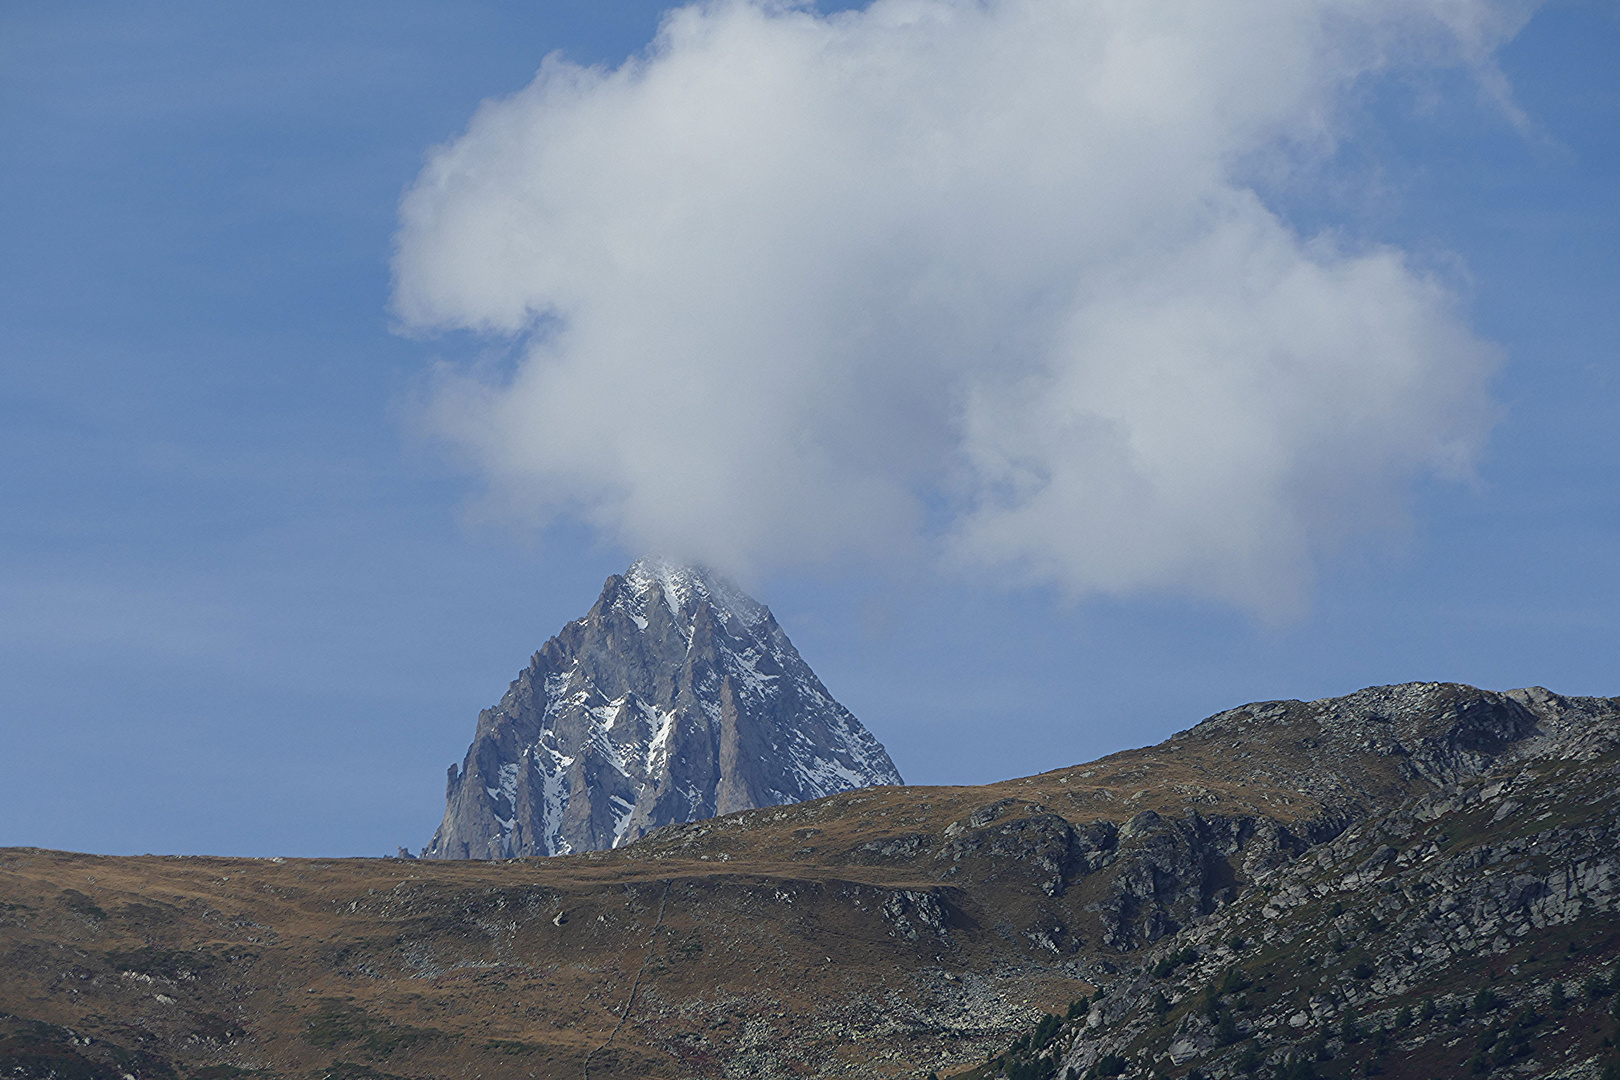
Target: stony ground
x=1397 y=850
x=1470 y=930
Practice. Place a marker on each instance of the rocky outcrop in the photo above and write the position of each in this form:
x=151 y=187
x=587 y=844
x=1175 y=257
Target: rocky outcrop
x=1456 y=915
x=678 y=697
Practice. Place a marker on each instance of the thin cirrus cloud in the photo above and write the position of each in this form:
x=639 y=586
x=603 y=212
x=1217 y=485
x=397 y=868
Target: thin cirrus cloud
x=982 y=283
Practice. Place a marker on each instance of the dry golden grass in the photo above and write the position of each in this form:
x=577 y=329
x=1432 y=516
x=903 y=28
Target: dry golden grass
x=774 y=946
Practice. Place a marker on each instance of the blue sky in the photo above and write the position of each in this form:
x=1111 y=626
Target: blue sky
x=253 y=602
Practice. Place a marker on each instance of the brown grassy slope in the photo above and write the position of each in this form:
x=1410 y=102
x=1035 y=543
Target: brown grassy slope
x=883 y=932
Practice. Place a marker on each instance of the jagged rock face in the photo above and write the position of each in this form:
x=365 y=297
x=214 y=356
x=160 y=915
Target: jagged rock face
x=1460 y=839
x=676 y=698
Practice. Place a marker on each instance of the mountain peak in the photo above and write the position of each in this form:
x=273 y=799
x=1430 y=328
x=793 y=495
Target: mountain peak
x=684 y=586
x=677 y=697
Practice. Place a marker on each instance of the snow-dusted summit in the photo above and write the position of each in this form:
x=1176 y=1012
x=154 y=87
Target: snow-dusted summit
x=676 y=698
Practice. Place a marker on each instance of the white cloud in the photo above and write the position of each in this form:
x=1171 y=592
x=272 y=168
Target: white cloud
x=979 y=281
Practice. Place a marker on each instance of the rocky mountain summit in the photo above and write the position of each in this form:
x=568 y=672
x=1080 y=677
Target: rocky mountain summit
x=677 y=698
